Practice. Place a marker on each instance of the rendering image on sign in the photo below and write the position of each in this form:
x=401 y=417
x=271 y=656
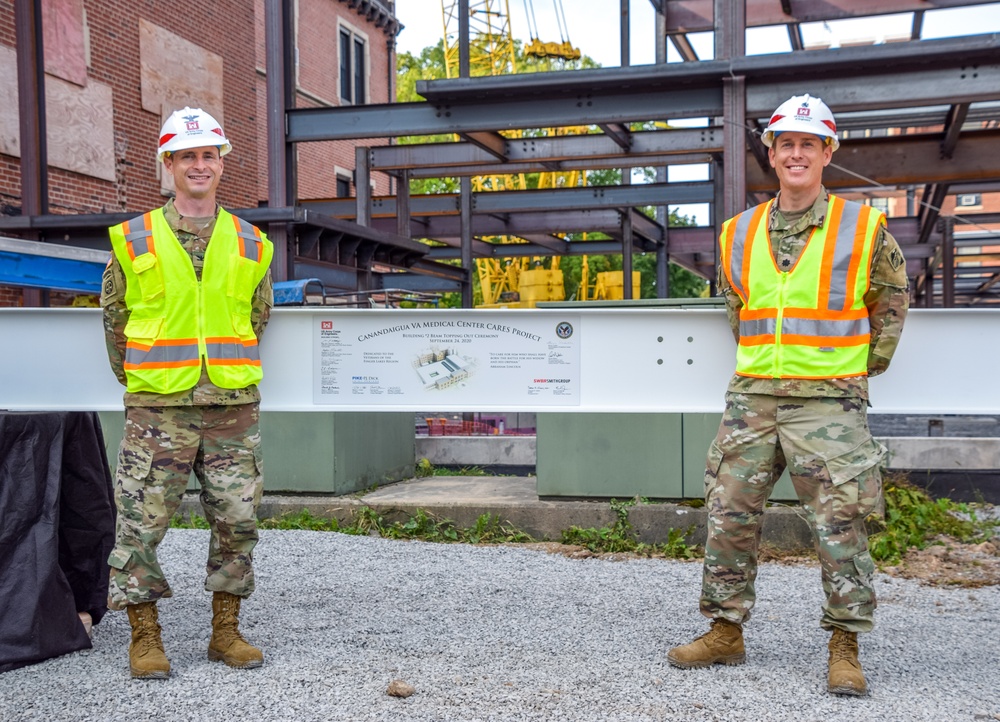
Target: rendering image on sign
x=500 y=359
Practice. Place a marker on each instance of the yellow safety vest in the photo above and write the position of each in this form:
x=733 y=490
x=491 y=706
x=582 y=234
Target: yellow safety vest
x=176 y=321
x=809 y=322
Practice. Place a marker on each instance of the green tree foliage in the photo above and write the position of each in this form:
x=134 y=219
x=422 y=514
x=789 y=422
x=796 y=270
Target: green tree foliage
x=410 y=68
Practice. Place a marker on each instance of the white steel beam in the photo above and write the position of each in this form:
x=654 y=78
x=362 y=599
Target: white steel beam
x=630 y=358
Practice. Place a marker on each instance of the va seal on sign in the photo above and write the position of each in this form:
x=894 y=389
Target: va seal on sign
x=564 y=330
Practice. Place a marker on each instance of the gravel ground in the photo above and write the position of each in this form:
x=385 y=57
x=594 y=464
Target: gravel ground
x=502 y=633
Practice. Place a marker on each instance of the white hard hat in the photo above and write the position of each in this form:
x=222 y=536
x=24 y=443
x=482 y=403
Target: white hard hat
x=191 y=128
x=802 y=114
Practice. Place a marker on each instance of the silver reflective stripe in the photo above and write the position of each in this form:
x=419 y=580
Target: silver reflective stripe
x=842 y=255
x=758 y=327
x=235 y=351
x=740 y=242
x=250 y=240
x=161 y=354
x=813 y=327
x=138 y=238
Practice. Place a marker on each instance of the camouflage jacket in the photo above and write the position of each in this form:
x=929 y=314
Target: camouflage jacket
x=193 y=234
x=887 y=299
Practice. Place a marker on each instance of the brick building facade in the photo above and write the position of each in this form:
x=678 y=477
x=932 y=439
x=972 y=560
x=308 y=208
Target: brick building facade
x=116 y=68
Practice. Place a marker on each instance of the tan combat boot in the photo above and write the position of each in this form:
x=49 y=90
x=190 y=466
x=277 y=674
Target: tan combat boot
x=227 y=644
x=722 y=644
x=845 y=675
x=145 y=654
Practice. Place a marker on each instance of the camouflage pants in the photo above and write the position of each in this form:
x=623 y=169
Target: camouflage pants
x=834 y=464
x=161 y=446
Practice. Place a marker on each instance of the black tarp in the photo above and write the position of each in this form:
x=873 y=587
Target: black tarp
x=57 y=527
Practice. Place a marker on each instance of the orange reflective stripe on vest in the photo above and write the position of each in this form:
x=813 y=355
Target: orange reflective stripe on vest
x=746 y=226
x=139 y=236
x=249 y=239
x=165 y=354
x=232 y=351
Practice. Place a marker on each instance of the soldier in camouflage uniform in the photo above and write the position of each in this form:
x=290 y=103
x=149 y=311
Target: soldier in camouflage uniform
x=189 y=269
x=794 y=402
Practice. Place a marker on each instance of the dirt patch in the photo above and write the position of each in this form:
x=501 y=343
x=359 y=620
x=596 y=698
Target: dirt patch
x=945 y=563
x=948 y=563
x=575 y=551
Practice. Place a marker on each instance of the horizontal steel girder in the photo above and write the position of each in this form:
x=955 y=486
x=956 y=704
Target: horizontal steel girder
x=416 y=282
x=693 y=16
x=902 y=160
x=933 y=85
x=580 y=198
x=564 y=166
x=896 y=75
x=528 y=250
x=336 y=276
x=447 y=229
x=442 y=159
x=664 y=79
x=397 y=119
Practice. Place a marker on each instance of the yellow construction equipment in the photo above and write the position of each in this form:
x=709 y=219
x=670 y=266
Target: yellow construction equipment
x=607 y=285
x=491 y=50
x=563 y=50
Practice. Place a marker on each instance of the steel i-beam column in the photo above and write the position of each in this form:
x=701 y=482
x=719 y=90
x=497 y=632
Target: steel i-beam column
x=730 y=32
x=662 y=212
x=363 y=186
x=627 y=291
x=463 y=39
x=626 y=53
x=363 y=217
x=718 y=218
x=928 y=283
x=948 y=263
x=403 y=204
x=466 y=231
x=31 y=109
x=277 y=149
x=734 y=101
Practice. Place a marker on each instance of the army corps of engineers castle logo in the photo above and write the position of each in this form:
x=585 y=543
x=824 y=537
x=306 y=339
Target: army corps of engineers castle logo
x=564 y=329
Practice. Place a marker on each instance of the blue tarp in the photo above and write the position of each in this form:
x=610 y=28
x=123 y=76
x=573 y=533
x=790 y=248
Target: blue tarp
x=293 y=293
x=60 y=274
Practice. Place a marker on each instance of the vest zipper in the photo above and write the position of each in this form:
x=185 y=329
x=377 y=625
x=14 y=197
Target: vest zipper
x=782 y=283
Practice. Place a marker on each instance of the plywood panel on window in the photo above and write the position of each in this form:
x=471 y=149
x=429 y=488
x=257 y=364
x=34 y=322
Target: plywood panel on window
x=79 y=122
x=63 y=39
x=176 y=73
x=81 y=131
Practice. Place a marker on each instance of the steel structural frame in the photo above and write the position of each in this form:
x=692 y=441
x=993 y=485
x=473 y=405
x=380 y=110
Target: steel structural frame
x=946 y=74
x=948 y=79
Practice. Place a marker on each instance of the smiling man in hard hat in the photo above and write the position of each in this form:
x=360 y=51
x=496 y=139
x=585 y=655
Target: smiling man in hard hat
x=186 y=297
x=816 y=292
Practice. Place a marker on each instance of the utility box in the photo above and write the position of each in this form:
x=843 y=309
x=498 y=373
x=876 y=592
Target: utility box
x=318 y=452
x=609 y=455
x=660 y=456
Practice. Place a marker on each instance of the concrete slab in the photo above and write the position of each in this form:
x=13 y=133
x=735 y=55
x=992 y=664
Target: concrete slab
x=905 y=452
x=445 y=490
x=463 y=499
